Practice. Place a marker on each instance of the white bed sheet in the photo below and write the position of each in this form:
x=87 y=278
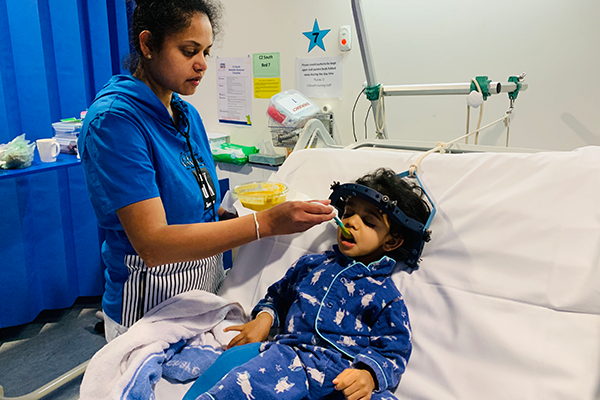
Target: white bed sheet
x=506 y=303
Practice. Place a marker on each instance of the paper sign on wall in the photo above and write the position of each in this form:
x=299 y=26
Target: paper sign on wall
x=265 y=88
x=320 y=77
x=266 y=65
x=267 y=80
x=234 y=91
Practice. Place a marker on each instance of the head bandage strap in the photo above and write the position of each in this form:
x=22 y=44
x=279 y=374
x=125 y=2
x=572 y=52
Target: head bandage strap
x=420 y=232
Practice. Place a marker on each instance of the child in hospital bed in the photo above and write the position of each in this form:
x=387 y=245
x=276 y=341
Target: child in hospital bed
x=344 y=327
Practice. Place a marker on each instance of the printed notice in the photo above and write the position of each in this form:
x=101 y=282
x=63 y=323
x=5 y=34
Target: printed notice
x=234 y=80
x=265 y=88
x=267 y=81
x=320 y=77
x=266 y=65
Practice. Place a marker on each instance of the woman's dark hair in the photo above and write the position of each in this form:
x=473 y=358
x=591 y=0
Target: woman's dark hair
x=410 y=198
x=164 y=18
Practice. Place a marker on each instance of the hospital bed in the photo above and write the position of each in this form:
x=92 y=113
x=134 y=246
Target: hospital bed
x=506 y=302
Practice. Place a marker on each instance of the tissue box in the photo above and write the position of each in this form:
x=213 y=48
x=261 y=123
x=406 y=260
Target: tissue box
x=272 y=160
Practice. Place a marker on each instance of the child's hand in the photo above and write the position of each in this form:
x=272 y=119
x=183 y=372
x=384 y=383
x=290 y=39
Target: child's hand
x=254 y=331
x=356 y=384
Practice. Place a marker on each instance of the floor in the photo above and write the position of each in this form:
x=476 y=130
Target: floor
x=34 y=354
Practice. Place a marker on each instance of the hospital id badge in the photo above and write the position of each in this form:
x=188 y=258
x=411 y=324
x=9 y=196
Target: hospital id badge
x=207 y=187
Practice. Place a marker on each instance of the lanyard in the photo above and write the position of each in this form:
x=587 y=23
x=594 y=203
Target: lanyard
x=203 y=178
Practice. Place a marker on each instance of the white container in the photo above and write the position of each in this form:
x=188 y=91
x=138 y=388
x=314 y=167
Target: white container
x=291 y=108
x=72 y=128
x=66 y=134
x=67 y=145
x=217 y=139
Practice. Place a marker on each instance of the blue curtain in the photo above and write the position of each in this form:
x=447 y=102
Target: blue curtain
x=55 y=55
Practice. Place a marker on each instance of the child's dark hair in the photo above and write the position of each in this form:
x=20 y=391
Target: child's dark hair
x=410 y=198
x=164 y=18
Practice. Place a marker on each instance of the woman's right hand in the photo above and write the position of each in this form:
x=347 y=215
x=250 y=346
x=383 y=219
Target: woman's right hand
x=159 y=243
x=294 y=217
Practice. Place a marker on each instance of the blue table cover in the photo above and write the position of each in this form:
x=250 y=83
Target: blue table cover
x=49 y=240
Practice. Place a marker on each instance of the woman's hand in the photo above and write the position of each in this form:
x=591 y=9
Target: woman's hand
x=158 y=243
x=254 y=331
x=356 y=384
x=294 y=217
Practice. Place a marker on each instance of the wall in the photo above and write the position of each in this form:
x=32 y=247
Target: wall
x=556 y=42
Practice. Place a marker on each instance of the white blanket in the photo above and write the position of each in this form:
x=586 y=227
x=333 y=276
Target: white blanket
x=127 y=366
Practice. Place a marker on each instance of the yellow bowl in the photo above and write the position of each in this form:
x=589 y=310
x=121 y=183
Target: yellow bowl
x=259 y=196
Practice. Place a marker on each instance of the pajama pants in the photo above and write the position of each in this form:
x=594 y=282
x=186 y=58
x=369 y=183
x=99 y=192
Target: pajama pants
x=285 y=372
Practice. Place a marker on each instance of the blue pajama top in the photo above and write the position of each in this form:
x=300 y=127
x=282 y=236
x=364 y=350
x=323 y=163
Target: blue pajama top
x=333 y=301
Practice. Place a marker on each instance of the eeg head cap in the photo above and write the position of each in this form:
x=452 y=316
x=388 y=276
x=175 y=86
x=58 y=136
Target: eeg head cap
x=420 y=232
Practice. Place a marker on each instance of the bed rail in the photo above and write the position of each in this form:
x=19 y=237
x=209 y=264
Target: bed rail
x=408 y=145
x=49 y=387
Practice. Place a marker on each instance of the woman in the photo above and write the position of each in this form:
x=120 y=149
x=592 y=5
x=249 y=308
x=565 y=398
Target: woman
x=150 y=173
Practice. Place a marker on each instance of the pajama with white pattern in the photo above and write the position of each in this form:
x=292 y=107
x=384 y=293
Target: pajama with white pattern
x=333 y=313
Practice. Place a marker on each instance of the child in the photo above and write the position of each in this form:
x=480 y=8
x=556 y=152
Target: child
x=344 y=326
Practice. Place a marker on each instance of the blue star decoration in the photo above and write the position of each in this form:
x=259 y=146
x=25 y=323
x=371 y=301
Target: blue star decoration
x=316 y=36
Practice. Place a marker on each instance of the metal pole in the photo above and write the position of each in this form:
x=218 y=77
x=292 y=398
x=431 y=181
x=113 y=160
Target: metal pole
x=448 y=89
x=49 y=387
x=365 y=51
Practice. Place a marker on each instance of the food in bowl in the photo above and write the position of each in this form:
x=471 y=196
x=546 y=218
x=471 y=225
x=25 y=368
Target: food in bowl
x=260 y=196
